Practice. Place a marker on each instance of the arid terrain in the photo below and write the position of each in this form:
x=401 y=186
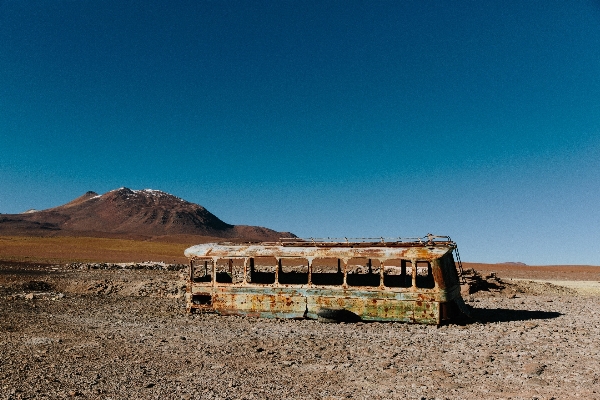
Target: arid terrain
x=74 y=326
x=121 y=331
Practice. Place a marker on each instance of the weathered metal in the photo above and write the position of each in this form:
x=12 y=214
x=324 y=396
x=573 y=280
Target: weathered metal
x=385 y=280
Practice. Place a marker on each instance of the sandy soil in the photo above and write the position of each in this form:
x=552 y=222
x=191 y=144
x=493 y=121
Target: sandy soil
x=541 y=272
x=584 y=279
x=583 y=287
x=124 y=333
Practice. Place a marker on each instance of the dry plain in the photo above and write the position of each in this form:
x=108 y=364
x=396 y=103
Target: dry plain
x=81 y=331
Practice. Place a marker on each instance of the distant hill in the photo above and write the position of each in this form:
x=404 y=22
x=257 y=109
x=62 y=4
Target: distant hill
x=130 y=213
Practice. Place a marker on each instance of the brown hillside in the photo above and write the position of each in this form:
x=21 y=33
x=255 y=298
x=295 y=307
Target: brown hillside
x=126 y=212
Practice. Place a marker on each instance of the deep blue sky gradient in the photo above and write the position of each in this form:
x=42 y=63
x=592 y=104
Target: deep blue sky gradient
x=478 y=120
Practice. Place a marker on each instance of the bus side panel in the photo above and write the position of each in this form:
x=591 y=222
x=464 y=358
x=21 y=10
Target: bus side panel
x=372 y=309
x=427 y=312
x=264 y=302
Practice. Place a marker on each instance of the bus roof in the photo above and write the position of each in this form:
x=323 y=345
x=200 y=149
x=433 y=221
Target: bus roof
x=429 y=247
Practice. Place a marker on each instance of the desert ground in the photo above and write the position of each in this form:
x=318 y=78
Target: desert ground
x=102 y=331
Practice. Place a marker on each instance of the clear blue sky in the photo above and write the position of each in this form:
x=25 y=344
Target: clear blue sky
x=478 y=120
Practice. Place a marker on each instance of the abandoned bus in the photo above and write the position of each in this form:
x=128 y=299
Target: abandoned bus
x=410 y=280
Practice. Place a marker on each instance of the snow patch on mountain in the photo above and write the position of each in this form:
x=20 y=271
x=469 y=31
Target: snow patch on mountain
x=145 y=192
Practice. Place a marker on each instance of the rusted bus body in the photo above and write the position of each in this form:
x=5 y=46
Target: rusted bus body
x=413 y=281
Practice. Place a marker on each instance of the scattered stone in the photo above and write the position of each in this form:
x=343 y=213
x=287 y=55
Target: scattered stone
x=534 y=368
x=36 y=341
x=441 y=374
x=147 y=265
x=531 y=325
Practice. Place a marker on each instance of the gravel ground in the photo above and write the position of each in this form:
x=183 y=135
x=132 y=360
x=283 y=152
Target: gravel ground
x=118 y=334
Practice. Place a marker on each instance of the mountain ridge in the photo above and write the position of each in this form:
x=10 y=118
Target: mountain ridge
x=123 y=212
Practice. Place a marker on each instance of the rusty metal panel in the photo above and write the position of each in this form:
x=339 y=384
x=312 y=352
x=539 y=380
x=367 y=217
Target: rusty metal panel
x=377 y=306
x=438 y=274
x=265 y=302
x=427 y=312
x=364 y=308
x=368 y=305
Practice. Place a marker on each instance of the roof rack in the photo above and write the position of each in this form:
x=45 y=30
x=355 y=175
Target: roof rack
x=380 y=241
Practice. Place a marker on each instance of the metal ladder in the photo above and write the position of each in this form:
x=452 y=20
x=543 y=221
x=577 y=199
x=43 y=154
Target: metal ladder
x=461 y=272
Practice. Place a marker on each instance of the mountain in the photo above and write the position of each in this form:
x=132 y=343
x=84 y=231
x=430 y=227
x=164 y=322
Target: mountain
x=127 y=213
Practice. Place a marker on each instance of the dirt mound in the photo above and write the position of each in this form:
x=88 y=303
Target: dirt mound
x=135 y=212
x=491 y=284
x=475 y=282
